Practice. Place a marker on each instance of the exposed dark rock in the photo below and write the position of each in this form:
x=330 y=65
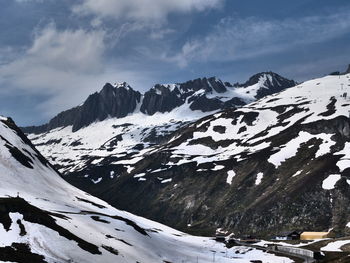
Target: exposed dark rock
x=23 y=231
x=111 y=250
x=35 y=129
x=89 y=202
x=109 y=102
x=204 y=104
x=114 y=102
x=330 y=108
x=98 y=219
x=20 y=156
x=334 y=73
x=10 y=124
x=206 y=84
x=20 y=253
x=160 y=99
x=35 y=215
x=219 y=129
x=232 y=103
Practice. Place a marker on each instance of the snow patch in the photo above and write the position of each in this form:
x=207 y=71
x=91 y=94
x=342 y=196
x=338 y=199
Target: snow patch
x=297 y=173
x=335 y=246
x=166 y=181
x=230 y=175
x=258 y=179
x=330 y=181
x=218 y=167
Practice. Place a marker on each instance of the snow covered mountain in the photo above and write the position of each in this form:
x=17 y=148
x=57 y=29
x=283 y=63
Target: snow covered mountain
x=44 y=219
x=118 y=121
x=280 y=163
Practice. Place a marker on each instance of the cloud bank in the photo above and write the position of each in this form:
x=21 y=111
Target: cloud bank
x=143 y=10
x=234 y=39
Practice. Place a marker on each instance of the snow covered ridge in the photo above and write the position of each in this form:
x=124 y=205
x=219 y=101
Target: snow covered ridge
x=205 y=94
x=130 y=122
x=44 y=219
x=237 y=134
x=291 y=146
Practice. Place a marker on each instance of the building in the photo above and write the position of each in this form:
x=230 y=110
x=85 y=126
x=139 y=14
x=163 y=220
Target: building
x=294 y=235
x=314 y=235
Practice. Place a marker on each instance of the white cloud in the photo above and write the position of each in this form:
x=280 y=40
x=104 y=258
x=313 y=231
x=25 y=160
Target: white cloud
x=65 y=65
x=144 y=10
x=234 y=39
x=159 y=33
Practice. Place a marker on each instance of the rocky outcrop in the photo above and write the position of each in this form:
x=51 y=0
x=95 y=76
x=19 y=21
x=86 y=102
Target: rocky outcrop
x=160 y=99
x=109 y=102
x=112 y=101
x=206 y=84
x=165 y=98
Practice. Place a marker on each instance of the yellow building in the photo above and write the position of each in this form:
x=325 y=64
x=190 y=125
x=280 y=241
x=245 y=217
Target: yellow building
x=314 y=235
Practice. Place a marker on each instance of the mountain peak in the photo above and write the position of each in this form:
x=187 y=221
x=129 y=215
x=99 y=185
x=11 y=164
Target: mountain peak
x=112 y=101
x=269 y=82
x=108 y=87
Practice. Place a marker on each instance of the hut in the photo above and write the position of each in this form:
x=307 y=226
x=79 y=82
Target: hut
x=314 y=235
x=294 y=235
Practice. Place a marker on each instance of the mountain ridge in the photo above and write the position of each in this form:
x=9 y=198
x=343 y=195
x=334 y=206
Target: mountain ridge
x=119 y=100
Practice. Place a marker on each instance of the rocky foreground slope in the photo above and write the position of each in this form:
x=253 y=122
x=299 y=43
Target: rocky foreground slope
x=44 y=219
x=280 y=163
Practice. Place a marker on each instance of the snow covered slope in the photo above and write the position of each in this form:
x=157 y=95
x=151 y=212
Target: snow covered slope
x=280 y=163
x=44 y=219
x=118 y=121
x=110 y=140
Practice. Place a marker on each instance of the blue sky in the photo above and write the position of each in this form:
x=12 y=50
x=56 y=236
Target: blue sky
x=54 y=53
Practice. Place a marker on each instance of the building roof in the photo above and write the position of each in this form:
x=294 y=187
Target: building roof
x=313 y=235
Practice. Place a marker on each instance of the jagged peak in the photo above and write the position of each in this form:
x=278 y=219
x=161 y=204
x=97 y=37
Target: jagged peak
x=164 y=88
x=108 y=88
x=204 y=83
x=122 y=85
x=267 y=77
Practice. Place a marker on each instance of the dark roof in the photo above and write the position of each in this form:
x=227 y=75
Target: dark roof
x=290 y=233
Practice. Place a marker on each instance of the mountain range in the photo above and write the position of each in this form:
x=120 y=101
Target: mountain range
x=119 y=121
x=261 y=157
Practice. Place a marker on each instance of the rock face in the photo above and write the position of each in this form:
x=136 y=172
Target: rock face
x=112 y=101
x=165 y=98
x=278 y=164
x=203 y=94
x=160 y=99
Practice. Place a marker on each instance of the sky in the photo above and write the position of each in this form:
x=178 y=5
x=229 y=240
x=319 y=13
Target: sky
x=54 y=53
